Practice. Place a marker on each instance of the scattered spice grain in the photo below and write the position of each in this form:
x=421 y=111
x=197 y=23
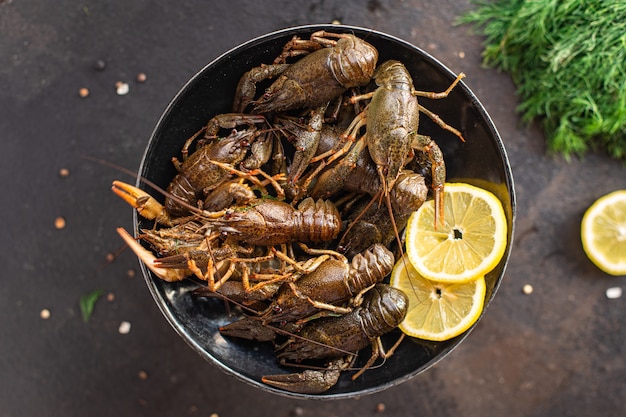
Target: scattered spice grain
x=59 y=223
x=100 y=65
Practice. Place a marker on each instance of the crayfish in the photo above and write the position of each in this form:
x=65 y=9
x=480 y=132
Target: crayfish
x=278 y=205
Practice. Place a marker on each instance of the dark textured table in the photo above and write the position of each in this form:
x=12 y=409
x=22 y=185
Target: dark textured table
x=556 y=351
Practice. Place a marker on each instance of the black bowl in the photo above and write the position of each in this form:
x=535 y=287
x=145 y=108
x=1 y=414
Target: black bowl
x=481 y=160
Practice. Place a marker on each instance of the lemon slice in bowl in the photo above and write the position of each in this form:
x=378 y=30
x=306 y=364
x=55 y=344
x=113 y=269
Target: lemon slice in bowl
x=469 y=244
x=437 y=310
x=603 y=233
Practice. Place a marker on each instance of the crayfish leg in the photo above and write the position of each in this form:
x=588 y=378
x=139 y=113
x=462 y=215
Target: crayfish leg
x=328 y=308
x=317 y=251
x=185 y=150
x=333 y=179
x=231 y=121
x=443 y=94
x=246 y=89
x=297 y=46
x=209 y=276
x=250 y=176
x=378 y=350
x=306 y=144
x=438 y=168
x=348 y=137
x=435 y=118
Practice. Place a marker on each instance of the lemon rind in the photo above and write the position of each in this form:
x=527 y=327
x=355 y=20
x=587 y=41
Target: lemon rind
x=478 y=301
x=587 y=235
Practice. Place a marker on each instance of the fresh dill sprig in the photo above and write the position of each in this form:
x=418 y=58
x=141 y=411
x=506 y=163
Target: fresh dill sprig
x=568 y=61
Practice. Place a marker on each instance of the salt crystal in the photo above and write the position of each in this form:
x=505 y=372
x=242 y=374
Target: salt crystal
x=614 y=292
x=122 y=88
x=124 y=327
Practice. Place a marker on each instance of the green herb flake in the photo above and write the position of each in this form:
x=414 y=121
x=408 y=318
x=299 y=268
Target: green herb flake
x=88 y=302
x=567 y=59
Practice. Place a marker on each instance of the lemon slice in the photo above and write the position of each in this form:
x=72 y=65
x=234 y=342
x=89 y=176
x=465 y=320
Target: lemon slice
x=603 y=233
x=437 y=310
x=469 y=244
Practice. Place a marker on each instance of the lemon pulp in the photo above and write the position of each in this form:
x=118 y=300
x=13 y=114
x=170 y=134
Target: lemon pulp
x=469 y=244
x=437 y=310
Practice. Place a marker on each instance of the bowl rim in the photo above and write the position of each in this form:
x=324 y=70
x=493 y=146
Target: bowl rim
x=162 y=302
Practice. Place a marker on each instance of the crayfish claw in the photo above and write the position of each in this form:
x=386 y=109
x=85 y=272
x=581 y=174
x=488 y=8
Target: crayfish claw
x=148 y=258
x=311 y=381
x=145 y=204
x=250 y=329
x=307 y=382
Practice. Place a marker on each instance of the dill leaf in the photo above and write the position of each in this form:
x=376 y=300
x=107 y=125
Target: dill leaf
x=87 y=303
x=567 y=59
